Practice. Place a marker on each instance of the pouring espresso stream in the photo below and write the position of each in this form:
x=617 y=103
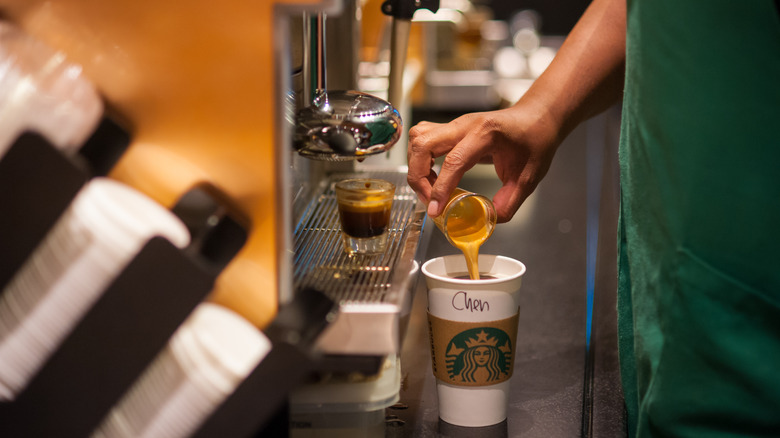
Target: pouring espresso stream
x=468 y=220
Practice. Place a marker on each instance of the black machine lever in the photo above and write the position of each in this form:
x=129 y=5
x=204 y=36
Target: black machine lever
x=405 y=9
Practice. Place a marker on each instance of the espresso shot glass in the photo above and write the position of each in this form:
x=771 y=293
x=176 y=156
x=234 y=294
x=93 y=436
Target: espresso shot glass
x=364 y=211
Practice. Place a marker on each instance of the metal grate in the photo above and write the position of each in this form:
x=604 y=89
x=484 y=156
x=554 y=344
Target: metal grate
x=321 y=262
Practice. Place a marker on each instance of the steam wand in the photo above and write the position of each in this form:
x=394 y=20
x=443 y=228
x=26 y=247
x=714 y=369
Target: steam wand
x=402 y=12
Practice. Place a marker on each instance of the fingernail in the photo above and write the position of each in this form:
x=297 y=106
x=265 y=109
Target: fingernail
x=433 y=208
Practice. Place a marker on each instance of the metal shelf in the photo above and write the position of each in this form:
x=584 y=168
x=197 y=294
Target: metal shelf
x=374 y=292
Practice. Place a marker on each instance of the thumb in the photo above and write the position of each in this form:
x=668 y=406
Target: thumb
x=440 y=194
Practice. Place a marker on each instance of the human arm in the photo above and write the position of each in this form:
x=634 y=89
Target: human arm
x=585 y=78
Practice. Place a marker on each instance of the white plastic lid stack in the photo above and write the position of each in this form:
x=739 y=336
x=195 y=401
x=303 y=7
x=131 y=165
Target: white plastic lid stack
x=41 y=90
x=212 y=352
x=105 y=226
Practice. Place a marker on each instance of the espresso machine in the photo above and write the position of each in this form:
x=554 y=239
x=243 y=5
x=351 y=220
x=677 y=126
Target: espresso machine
x=260 y=107
x=362 y=372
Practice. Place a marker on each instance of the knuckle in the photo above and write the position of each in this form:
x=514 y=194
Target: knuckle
x=420 y=143
x=415 y=182
x=487 y=127
x=417 y=132
x=455 y=159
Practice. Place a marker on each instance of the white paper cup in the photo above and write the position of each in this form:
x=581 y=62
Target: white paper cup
x=473 y=330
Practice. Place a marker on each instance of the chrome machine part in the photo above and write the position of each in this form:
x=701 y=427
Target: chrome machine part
x=342 y=125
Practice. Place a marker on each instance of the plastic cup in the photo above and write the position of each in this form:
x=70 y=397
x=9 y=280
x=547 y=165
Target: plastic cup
x=473 y=334
x=41 y=90
x=206 y=359
x=104 y=227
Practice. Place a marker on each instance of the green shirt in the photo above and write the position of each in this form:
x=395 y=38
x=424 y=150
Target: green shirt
x=699 y=233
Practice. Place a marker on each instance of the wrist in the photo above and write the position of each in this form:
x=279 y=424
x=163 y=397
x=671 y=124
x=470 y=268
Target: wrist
x=545 y=121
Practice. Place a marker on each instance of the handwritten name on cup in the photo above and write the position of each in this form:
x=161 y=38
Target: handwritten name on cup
x=462 y=301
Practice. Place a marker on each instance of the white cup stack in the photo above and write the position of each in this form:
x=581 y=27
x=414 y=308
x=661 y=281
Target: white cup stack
x=101 y=231
x=41 y=90
x=212 y=352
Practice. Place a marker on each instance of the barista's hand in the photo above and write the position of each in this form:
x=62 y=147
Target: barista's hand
x=520 y=141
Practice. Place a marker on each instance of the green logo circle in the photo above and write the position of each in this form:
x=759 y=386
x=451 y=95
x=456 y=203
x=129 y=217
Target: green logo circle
x=479 y=355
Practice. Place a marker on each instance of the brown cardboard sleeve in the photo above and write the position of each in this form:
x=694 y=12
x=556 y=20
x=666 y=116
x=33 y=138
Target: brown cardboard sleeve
x=472 y=353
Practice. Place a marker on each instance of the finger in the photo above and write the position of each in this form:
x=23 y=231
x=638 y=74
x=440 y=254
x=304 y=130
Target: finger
x=436 y=139
x=420 y=175
x=427 y=141
x=508 y=200
x=422 y=187
x=430 y=140
x=470 y=151
x=448 y=179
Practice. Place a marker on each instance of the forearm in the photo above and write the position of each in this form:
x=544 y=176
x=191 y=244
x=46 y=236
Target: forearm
x=586 y=76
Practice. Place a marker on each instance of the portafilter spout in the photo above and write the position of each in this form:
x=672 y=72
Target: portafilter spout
x=343 y=125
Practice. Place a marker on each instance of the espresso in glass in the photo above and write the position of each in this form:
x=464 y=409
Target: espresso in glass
x=364 y=207
x=365 y=221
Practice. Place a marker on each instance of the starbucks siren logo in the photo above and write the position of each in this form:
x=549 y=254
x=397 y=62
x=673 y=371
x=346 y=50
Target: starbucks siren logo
x=479 y=355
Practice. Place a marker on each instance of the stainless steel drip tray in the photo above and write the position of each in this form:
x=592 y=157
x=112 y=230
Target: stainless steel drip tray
x=374 y=292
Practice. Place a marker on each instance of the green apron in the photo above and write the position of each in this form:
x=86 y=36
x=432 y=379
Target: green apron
x=699 y=232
